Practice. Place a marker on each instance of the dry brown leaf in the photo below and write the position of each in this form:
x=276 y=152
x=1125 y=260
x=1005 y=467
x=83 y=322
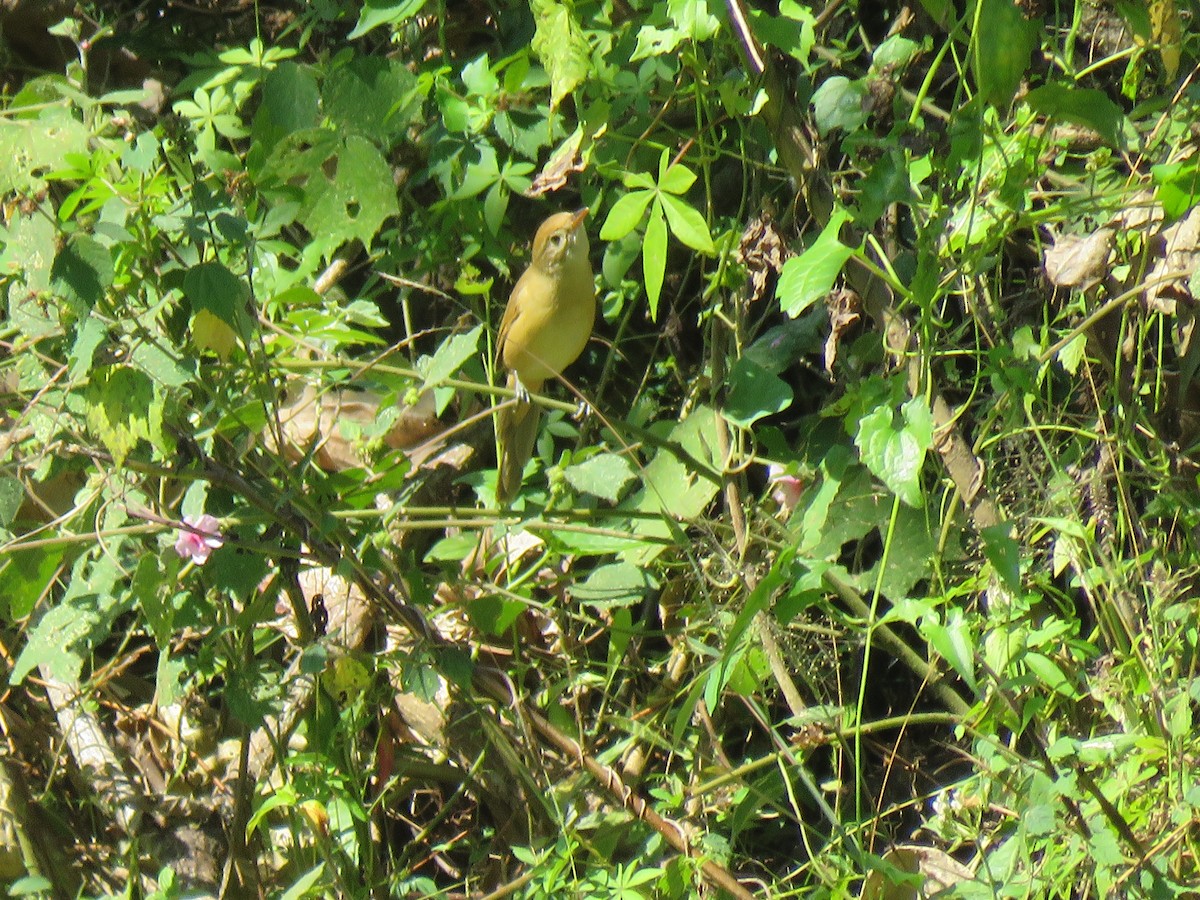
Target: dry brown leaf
x=1179 y=245
x=845 y=308
x=763 y=252
x=310 y=420
x=1077 y=261
x=939 y=869
x=570 y=157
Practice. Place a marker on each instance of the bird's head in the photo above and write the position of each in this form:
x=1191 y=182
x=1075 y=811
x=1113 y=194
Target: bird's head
x=561 y=241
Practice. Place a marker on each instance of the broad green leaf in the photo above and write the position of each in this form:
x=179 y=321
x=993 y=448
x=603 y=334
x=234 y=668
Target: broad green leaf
x=559 y=43
x=839 y=103
x=810 y=276
x=217 y=298
x=66 y=635
x=373 y=95
x=792 y=31
x=24 y=579
x=603 y=475
x=1177 y=186
x=31 y=147
x=677 y=180
x=954 y=643
x=687 y=224
x=652 y=41
x=152 y=593
x=450 y=356
x=356 y=201
x=12 y=495
x=494 y=613
x=91 y=334
x=82 y=271
x=625 y=215
x=495 y=205
x=1086 y=107
x=1001 y=45
x=654 y=257
x=614 y=585
x=693 y=18
x=1050 y=674
x=754 y=392
x=895 y=451
x=290 y=99
x=120 y=407
x=1003 y=552
x=383 y=12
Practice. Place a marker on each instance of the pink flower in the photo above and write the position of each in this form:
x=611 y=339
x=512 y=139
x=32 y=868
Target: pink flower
x=786 y=488
x=200 y=543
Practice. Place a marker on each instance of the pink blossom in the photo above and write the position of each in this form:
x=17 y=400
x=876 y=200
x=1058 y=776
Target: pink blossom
x=786 y=489
x=199 y=544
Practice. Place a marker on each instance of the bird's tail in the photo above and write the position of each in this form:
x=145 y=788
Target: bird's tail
x=516 y=433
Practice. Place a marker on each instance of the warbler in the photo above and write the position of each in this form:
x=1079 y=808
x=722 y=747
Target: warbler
x=546 y=325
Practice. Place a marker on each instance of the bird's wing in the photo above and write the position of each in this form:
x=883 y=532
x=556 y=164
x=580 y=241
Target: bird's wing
x=511 y=313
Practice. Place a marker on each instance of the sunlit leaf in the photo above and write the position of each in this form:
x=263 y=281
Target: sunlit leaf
x=625 y=215
x=687 y=224
x=654 y=257
x=810 y=276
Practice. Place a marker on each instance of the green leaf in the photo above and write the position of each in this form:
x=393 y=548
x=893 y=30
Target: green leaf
x=754 y=392
x=615 y=585
x=840 y=103
x=450 y=356
x=290 y=99
x=152 y=591
x=12 y=495
x=687 y=224
x=602 y=475
x=376 y=96
x=895 y=452
x=954 y=643
x=1086 y=107
x=652 y=41
x=1004 y=553
x=82 y=271
x=678 y=179
x=1177 y=186
x=120 y=402
x=65 y=636
x=654 y=257
x=25 y=577
x=559 y=43
x=90 y=335
x=807 y=278
x=356 y=201
x=626 y=214
x=1001 y=45
x=31 y=147
x=381 y=12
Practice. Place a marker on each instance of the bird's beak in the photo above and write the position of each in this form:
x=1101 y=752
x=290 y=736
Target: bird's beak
x=578 y=217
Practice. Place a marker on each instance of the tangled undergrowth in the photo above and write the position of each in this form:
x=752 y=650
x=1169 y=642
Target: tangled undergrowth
x=872 y=572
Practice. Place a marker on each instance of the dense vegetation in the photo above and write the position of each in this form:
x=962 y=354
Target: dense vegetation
x=871 y=573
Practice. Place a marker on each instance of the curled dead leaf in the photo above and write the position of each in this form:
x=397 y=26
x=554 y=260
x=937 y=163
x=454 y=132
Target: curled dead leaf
x=1178 y=257
x=309 y=420
x=940 y=871
x=1077 y=261
x=845 y=309
x=763 y=252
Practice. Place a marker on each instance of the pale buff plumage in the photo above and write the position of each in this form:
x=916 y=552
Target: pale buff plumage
x=546 y=325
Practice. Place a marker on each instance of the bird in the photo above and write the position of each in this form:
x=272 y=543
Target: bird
x=545 y=327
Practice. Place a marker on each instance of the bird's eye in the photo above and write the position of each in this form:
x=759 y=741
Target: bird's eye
x=558 y=238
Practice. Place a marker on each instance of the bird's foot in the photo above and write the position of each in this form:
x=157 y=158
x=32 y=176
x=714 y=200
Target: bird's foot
x=582 y=411
x=522 y=393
